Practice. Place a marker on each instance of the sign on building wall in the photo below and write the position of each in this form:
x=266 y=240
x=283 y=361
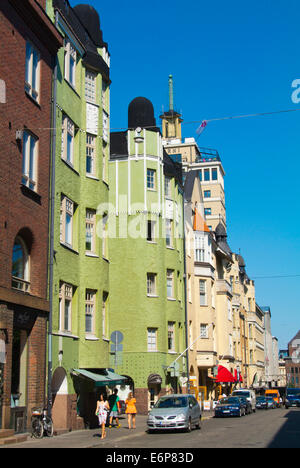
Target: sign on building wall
x=2 y=92
x=92 y=119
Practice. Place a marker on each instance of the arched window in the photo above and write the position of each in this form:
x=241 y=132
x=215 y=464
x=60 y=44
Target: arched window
x=20 y=266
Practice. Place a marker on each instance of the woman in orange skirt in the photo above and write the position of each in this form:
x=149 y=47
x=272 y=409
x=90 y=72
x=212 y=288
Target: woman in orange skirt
x=131 y=410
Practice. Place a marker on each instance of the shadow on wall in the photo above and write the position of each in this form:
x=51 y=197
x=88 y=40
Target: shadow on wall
x=289 y=434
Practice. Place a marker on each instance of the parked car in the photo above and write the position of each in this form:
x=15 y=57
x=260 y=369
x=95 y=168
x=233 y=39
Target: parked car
x=271 y=402
x=230 y=406
x=292 y=397
x=249 y=394
x=274 y=393
x=261 y=402
x=175 y=412
x=247 y=405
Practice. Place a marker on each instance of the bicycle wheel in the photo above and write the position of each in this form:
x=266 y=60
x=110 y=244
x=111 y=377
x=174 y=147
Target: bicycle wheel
x=37 y=428
x=48 y=426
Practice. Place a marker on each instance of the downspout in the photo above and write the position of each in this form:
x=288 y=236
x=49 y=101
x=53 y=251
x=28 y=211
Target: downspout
x=185 y=302
x=52 y=210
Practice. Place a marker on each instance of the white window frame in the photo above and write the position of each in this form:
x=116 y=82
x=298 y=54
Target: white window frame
x=151 y=284
x=23 y=283
x=152 y=340
x=66 y=210
x=90 y=310
x=70 y=55
x=151 y=179
x=171 y=336
x=203 y=292
x=68 y=132
x=90 y=230
x=32 y=71
x=151 y=228
x=65 y=297
x=204 y=330
x=168 y=187
x=105 y=124
x=90 y=86
x=30 y=160
x=169 y=232
x=170 y=284
x=91 y=154
x=104 y=314
x=199 y=249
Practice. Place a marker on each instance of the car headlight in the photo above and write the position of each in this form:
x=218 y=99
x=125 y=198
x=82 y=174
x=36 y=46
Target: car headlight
x=150 y=417
x=181 y=416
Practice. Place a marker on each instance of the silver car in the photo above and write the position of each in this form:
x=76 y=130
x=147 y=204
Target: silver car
x=175 y=412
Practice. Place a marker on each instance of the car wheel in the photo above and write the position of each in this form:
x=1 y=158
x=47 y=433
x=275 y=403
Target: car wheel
x=198 y=425
x=189 y=426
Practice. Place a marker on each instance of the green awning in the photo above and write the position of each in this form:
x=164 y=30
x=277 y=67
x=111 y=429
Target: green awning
x=109 y=378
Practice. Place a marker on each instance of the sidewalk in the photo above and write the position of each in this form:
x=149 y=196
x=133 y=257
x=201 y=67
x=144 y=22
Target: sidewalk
x=90 y=438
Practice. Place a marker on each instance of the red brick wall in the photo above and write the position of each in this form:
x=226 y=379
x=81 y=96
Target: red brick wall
x=18 y=211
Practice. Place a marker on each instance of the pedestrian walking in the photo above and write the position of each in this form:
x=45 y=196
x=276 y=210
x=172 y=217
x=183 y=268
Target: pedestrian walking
x=131 y=410
x=102 y=411
x=114 y=403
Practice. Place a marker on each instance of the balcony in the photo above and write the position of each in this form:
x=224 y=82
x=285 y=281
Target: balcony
x=208 y=155
x=223 y=287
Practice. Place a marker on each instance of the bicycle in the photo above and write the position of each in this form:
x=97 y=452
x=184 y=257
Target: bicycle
x=41 y=423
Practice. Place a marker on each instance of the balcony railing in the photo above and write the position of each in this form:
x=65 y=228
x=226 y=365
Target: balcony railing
x=20 y=284
x=222 y=286
x=208 y=155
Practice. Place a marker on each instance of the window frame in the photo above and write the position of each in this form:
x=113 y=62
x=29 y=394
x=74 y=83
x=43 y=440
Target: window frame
x=90 y=223
x=151 y=284
x=169 y=232
x=18 y=282
x=203 y=293
x=68 y=131
x=171 y=337
x=90 y=310
x=70 y=54
x=67 y=208
x=170 y=277
x=66 y=292
x=91 y=153
x=90 y=86
x=32 y=77
x=152 y=339
x=30 y=160
x=151 y=179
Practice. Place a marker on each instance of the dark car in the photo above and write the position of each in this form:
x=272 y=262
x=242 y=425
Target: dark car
x=261 y=402
x=292 y=397
x=231 y=406
x=247 y=404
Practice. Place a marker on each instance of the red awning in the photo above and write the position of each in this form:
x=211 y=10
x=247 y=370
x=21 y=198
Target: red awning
x=224 y=375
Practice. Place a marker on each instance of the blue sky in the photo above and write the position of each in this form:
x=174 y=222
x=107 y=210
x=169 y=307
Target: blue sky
x=227 y=58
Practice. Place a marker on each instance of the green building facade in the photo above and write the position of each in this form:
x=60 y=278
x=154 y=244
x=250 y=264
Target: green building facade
x=145 y=232
x=81 y=269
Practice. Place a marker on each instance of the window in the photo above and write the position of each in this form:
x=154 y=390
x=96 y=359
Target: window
x=105 y=126
x=171 y=336
x=90 y=86
x=32 y=72
x=104 y=314
x=104 y=89
x=90 y=229
x=202 y=289
x=151 y=182
x=65 y=307
x=29 y=164
x=70 y=63
x=203 y=330
x=90 y=307
x=168 y=187
x=214 y=173
x=199 y=249
x=207 y=211
x=104 y=236
x=20 y=266
x=151 y=231
x=229 y=309
x=206 y=175
x=169 y=232
x=66 y=221
x=152 y=339
x=200 y=175
x=90 y=155
x=207 y=193
x=170 y=284
x=151 y=284
x=67 y=140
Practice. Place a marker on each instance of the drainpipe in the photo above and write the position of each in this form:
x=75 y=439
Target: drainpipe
x=52 y=210
x=185 y=302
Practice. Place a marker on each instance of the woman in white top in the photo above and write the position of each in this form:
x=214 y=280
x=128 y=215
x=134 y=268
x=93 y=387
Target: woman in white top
x=102 y=411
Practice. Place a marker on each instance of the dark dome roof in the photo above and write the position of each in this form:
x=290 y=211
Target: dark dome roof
x=220 y=230
x=241 y=261
x=90 y=19
x=141 y=113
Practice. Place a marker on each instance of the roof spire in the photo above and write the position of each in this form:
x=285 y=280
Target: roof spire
x=171 y=93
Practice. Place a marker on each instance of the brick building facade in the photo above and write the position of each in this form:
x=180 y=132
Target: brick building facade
x=29 y=46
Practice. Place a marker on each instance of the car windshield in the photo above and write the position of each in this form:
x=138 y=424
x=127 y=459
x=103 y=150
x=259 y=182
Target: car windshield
x=172 y=402
x=261 y=398
x=270 y=398
x=230 y=401
x=243 y=394
x=293 y=392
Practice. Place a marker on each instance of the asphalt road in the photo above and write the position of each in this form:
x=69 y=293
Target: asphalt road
x=278 y=428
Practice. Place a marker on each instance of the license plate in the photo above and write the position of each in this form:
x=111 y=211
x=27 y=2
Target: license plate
x=226 y=411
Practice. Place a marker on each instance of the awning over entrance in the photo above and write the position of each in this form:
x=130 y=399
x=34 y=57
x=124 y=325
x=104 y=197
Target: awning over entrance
x=224 y=376
x=108 y=378
x=154 y=379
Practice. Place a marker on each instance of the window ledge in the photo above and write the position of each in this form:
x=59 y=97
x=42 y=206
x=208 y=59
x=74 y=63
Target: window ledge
x=91 y=254
x=66 y=335
x=105 y=259
x=34 y=196
x=91 y=338
x=89 y=176
x=70 y=166
x=152 y=295
x=171 y=299
x=31 y=98
x=66 y=246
